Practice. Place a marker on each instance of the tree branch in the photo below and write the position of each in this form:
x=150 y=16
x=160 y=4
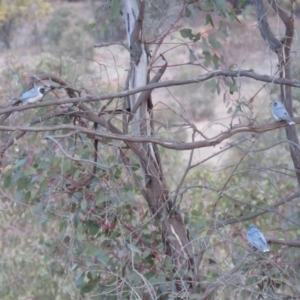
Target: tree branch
x=151 y=86
x=262 y=211
x=169 y=145
x=265 y=29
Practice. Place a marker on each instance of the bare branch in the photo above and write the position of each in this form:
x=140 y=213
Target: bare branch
x=256 y=214
x=289 y=243
x=47 y=137
x=222 y=279
x=170 y=145
x=265 y=29
x=197 y=79
x=112 y=44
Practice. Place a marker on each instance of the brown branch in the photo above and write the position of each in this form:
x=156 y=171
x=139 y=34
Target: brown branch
x=265 y=29
x=289 y=243
x=52 y=78
x=112 y=44
x=284 y=16
x=197 y=79
x=222 y=279
x=169 y=145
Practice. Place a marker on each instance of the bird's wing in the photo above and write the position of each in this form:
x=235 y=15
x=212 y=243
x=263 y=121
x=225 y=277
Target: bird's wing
x=256 y=238
x=262 y=237
x=283 y=114
x=286 y=116
x=29 y=94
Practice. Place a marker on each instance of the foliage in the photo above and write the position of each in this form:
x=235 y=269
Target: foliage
x=75 y=220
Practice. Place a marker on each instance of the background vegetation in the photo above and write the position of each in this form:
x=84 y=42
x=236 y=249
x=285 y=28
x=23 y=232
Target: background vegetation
x=88 y=211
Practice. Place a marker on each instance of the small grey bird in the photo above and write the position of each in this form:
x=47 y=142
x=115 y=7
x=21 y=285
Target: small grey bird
x=280 y=113
x=257 y=239
x=31 y=96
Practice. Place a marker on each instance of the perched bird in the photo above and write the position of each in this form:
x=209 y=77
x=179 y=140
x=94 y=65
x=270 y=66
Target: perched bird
x=280 y=113
x=257 y=239
x=31 y=96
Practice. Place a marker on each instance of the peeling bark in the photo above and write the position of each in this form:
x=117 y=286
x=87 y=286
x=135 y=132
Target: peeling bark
x=141 y=121
x=282 y=49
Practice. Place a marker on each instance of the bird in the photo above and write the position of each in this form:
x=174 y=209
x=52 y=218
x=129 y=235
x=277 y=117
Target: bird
x=256 y=238
x=280 y=113
x=31 y=96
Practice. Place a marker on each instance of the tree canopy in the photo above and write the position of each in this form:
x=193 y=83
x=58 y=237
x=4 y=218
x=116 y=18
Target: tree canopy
x=138 y=174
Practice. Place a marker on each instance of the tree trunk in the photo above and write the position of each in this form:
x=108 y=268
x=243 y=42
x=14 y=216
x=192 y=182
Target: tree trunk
x=282 y=49
x=140 y=106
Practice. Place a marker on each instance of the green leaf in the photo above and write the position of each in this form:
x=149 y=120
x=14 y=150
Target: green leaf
x=17 y=176
x=214 y=43
x=93 y=274
x=196 y=37
x=117 y=173
x=204 y=46
x=110 y=159
x=221 y=35
x=193 y=56
x=63 y=225
x=7 y=181
x=79 y=282
x=115 y=8
x=66 y=166
x=195 y=296
x=83 y=204
x=187 y=12
x=27 y=196
x=19 y=163
x=38 y=210
x=218 y=88
x=134 y=249
x=91 y=250
x=29 y=171
x=74 y=267
x=43 y=186
x=207 y=58
x=222 y=60
x=135 y=167
x=186 y=33
x=76 y=174
x=209 y=20
x=92 y=228
x=229 y=111
x=220 y=25
x=215 y=60
x=221 y=4
x=44 y=165
x=91 y=26
x=89 y=287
